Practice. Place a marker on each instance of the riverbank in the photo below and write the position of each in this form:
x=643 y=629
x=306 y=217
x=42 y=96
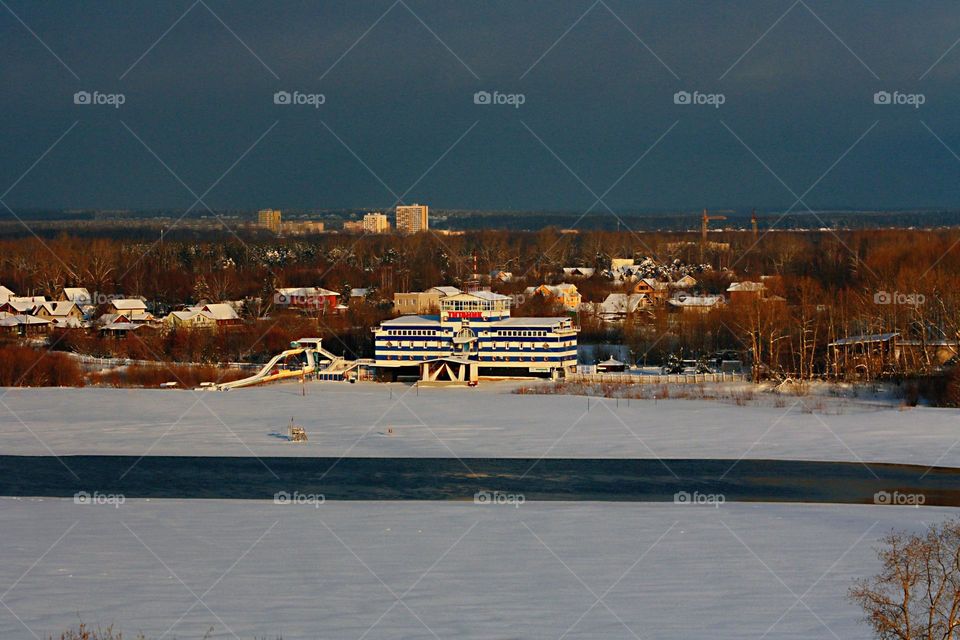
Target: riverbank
x=397 y=421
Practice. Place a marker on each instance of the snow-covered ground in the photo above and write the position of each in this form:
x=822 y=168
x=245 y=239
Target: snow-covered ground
x=457 y=570
x=371 y=419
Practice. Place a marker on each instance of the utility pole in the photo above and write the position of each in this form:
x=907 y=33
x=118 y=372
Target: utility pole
x=753 y=223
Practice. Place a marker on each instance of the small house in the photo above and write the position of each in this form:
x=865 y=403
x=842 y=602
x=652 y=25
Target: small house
x=611 y=364
x=62 y=314
x=866 y=357
x=77 y=295
x=23 y=324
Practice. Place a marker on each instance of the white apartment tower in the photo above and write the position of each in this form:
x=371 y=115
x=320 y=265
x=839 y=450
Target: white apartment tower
x=413 y=218
x=376 y=223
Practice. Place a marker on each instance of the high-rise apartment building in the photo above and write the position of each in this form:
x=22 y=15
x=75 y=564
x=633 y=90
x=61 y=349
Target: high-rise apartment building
x=412 y=218
x=270 y=218
x=376 y=223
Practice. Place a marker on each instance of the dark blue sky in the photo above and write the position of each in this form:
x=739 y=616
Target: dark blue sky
x=799 y=98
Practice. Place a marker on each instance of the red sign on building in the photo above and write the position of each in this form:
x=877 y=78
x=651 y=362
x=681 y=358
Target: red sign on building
x=464 y=314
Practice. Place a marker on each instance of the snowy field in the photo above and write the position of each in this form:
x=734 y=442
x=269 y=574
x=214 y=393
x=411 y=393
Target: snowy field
x=457 y=570
x=371 y=419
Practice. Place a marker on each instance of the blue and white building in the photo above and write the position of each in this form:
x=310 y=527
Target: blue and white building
x=474 y=334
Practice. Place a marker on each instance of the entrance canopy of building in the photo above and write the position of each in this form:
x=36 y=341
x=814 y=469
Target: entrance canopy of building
x=449 y=369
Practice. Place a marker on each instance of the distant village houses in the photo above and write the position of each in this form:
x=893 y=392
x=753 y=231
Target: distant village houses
x=564 y=294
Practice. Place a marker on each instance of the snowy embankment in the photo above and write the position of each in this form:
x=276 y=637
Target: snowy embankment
x=370 y=419
x=459 y=570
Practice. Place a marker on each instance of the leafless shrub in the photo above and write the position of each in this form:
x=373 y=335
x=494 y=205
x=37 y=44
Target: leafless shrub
x=83 y=632
x=28 y=367
x=186 y=376
x=916 y=594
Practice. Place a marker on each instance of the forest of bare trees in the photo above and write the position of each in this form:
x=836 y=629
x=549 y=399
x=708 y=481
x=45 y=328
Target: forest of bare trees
x=833 y=284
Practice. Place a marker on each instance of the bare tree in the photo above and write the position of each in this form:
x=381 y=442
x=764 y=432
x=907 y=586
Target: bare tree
x=916 y=595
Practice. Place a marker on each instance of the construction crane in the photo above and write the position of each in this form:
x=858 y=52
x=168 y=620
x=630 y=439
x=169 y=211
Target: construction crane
x=704 y=227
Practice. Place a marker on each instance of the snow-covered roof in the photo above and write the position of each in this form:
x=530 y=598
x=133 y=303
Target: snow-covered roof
x=582 y=271
x=218 y=311
x=873 y=337
x=57 y=309
x=685 y=280
x=445 y=290
x=5 y=293
x=610 y=362
x=10 y=320
x=306 y=292
x=121 y=326
x=410 y=320
x=359 y=292
x=77 y=294
x=621 y=303
x=746 y=286
x=190 y=313
x=129 y=304
x=109 y=318
x=655 y=284
x=68 y=322
x=695 y=301
x=564 y=288
x=21 y=306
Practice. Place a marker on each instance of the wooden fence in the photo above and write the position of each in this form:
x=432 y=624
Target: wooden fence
x=672 y=378
x=120 y=362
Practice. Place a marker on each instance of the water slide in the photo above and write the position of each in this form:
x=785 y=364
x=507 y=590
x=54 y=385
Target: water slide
x=266 y=374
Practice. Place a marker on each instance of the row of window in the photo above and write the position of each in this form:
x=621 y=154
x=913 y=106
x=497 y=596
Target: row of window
x=488 y=359
x=472 y=305
x=519 y=334
x=428 y=344
x=412 y=332
x=493 y=334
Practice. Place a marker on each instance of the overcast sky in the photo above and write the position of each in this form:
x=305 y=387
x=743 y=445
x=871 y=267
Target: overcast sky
x=399 y=120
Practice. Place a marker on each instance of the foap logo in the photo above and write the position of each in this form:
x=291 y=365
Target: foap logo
x=702 y=99
x=97 y=298
x=298 y=299
x=512 y=99
x=901 y=99
x=908 y=299
x=113 y=499
x=499 y=497
x=899 y=499
x=298 y=98
x=685 y=497
x=285 y=497
x=99 y=99
x=517 y=299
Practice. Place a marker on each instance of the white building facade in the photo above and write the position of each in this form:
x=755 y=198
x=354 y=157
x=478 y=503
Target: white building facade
x=477 y=327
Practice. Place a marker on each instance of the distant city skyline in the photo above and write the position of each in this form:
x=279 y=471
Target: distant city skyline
x=576 y=106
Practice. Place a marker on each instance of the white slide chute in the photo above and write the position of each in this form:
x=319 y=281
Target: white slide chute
x=277 y=368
